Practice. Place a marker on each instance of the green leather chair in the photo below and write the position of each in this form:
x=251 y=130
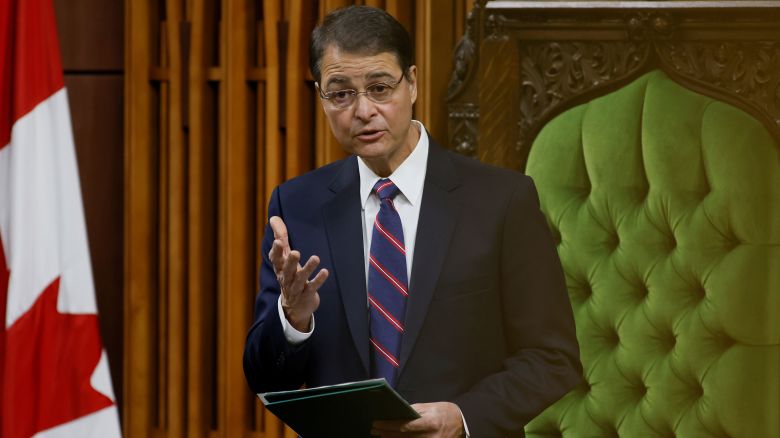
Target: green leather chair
x=666 y=207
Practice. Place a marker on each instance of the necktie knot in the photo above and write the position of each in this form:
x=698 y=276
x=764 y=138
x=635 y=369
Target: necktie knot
x=386 y=189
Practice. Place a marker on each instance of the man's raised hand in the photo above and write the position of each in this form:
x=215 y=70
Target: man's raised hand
x=299 y=294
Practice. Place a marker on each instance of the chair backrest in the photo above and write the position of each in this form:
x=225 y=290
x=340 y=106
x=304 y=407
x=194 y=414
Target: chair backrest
x=666 y=204
x=651 y=130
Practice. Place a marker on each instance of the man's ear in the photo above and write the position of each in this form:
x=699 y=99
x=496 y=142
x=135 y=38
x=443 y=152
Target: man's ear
x=412 y=79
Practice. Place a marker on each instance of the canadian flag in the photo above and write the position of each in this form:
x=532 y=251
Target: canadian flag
x=54 y=377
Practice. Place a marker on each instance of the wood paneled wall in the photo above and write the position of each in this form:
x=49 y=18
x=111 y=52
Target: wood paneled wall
x=220 y=108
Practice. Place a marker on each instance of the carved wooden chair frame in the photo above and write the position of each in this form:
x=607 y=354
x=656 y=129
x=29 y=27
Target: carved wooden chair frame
x=520 y=64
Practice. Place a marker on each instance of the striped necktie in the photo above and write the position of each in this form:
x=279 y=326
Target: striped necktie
x=388 y=286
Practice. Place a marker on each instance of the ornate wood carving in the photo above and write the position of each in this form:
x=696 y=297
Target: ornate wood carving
x=465 y=129
x=554 y=73
x=568 y=55
x=748 y=70
x=463 y=111
x=465 y=57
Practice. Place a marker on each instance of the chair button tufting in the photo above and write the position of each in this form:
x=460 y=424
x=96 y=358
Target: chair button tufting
x=581 y=291
x=697 y=391
x=643 y=291
x=638 y=387
x=587 y=291
x=732 y=242
x=669 y=341
x=724 y=341
x=613 y=242
x=586 y=387
x=671 y=243
x=612 y=338
x=700 y=292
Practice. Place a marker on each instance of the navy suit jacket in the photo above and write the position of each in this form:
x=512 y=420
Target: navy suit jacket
x=488 y=323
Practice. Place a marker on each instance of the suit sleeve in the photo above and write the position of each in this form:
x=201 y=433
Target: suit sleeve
x=270 y=362
x=543 y=364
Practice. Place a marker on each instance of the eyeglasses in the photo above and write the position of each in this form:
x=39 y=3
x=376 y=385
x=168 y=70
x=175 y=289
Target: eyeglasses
x=379 y=92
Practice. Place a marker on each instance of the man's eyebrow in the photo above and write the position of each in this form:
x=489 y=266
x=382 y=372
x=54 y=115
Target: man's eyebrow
x=337 y=80
x=379 y=75
x=373 y=76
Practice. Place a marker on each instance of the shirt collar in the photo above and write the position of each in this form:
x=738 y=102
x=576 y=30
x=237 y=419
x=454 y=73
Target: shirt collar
x=408 y=177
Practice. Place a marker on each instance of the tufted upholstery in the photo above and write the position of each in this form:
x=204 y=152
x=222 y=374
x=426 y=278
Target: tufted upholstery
x=666 y=206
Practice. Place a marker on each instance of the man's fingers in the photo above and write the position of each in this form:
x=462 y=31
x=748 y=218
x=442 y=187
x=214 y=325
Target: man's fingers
x=387 y=425
x=304 y=273
x=280 y=233
x=289 y=268
x=391 y=429
x=319 y=279
x=419 y=425
x=276 y=256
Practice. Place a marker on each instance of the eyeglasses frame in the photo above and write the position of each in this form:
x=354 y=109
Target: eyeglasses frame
x=356 y=93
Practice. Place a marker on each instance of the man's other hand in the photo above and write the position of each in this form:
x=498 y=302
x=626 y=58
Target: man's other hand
x=440 y=420
x=299 y=294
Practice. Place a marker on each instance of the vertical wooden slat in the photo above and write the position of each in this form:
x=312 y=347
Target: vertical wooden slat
x=140 y=223
x=262 y=193
x=176 y=251
x=274 y=158
x=236 y=221
x=260 y=127
x=162 y=256
x=434 y=42
x=273 y=169
x=403 y=11
x=202 y=224
x=299 y=113
x=162 y=227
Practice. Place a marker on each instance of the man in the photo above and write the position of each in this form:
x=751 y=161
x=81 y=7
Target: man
x=437 y=272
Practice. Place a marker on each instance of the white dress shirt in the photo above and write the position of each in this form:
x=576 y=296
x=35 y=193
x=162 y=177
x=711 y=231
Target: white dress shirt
x=409 y=177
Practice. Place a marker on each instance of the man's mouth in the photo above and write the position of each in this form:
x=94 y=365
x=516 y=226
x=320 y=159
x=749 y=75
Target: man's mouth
x=370 y=135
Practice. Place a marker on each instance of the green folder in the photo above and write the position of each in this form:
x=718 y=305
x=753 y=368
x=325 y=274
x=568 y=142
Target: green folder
x=344 y=410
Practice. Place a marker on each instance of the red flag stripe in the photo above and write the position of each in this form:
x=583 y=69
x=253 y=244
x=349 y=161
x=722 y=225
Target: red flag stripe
x=390 y=358
x=30 y=66
x=386 y=314
x=398 y=285
x=389 y=236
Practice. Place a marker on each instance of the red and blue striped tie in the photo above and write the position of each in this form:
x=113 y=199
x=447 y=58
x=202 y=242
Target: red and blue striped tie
x=388 y=286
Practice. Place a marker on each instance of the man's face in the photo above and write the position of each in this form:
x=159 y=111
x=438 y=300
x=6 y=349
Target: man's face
x=380 y=133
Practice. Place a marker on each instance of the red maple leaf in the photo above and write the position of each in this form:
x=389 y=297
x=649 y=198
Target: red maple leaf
x=48 y=360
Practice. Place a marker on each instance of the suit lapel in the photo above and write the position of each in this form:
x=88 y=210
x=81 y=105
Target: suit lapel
x=435 y=226
x=343 y=225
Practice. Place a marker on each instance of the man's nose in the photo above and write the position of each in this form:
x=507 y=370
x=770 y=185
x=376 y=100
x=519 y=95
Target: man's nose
x=364 y=107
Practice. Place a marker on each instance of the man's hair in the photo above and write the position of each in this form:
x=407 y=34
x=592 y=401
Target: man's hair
x=360 y=30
